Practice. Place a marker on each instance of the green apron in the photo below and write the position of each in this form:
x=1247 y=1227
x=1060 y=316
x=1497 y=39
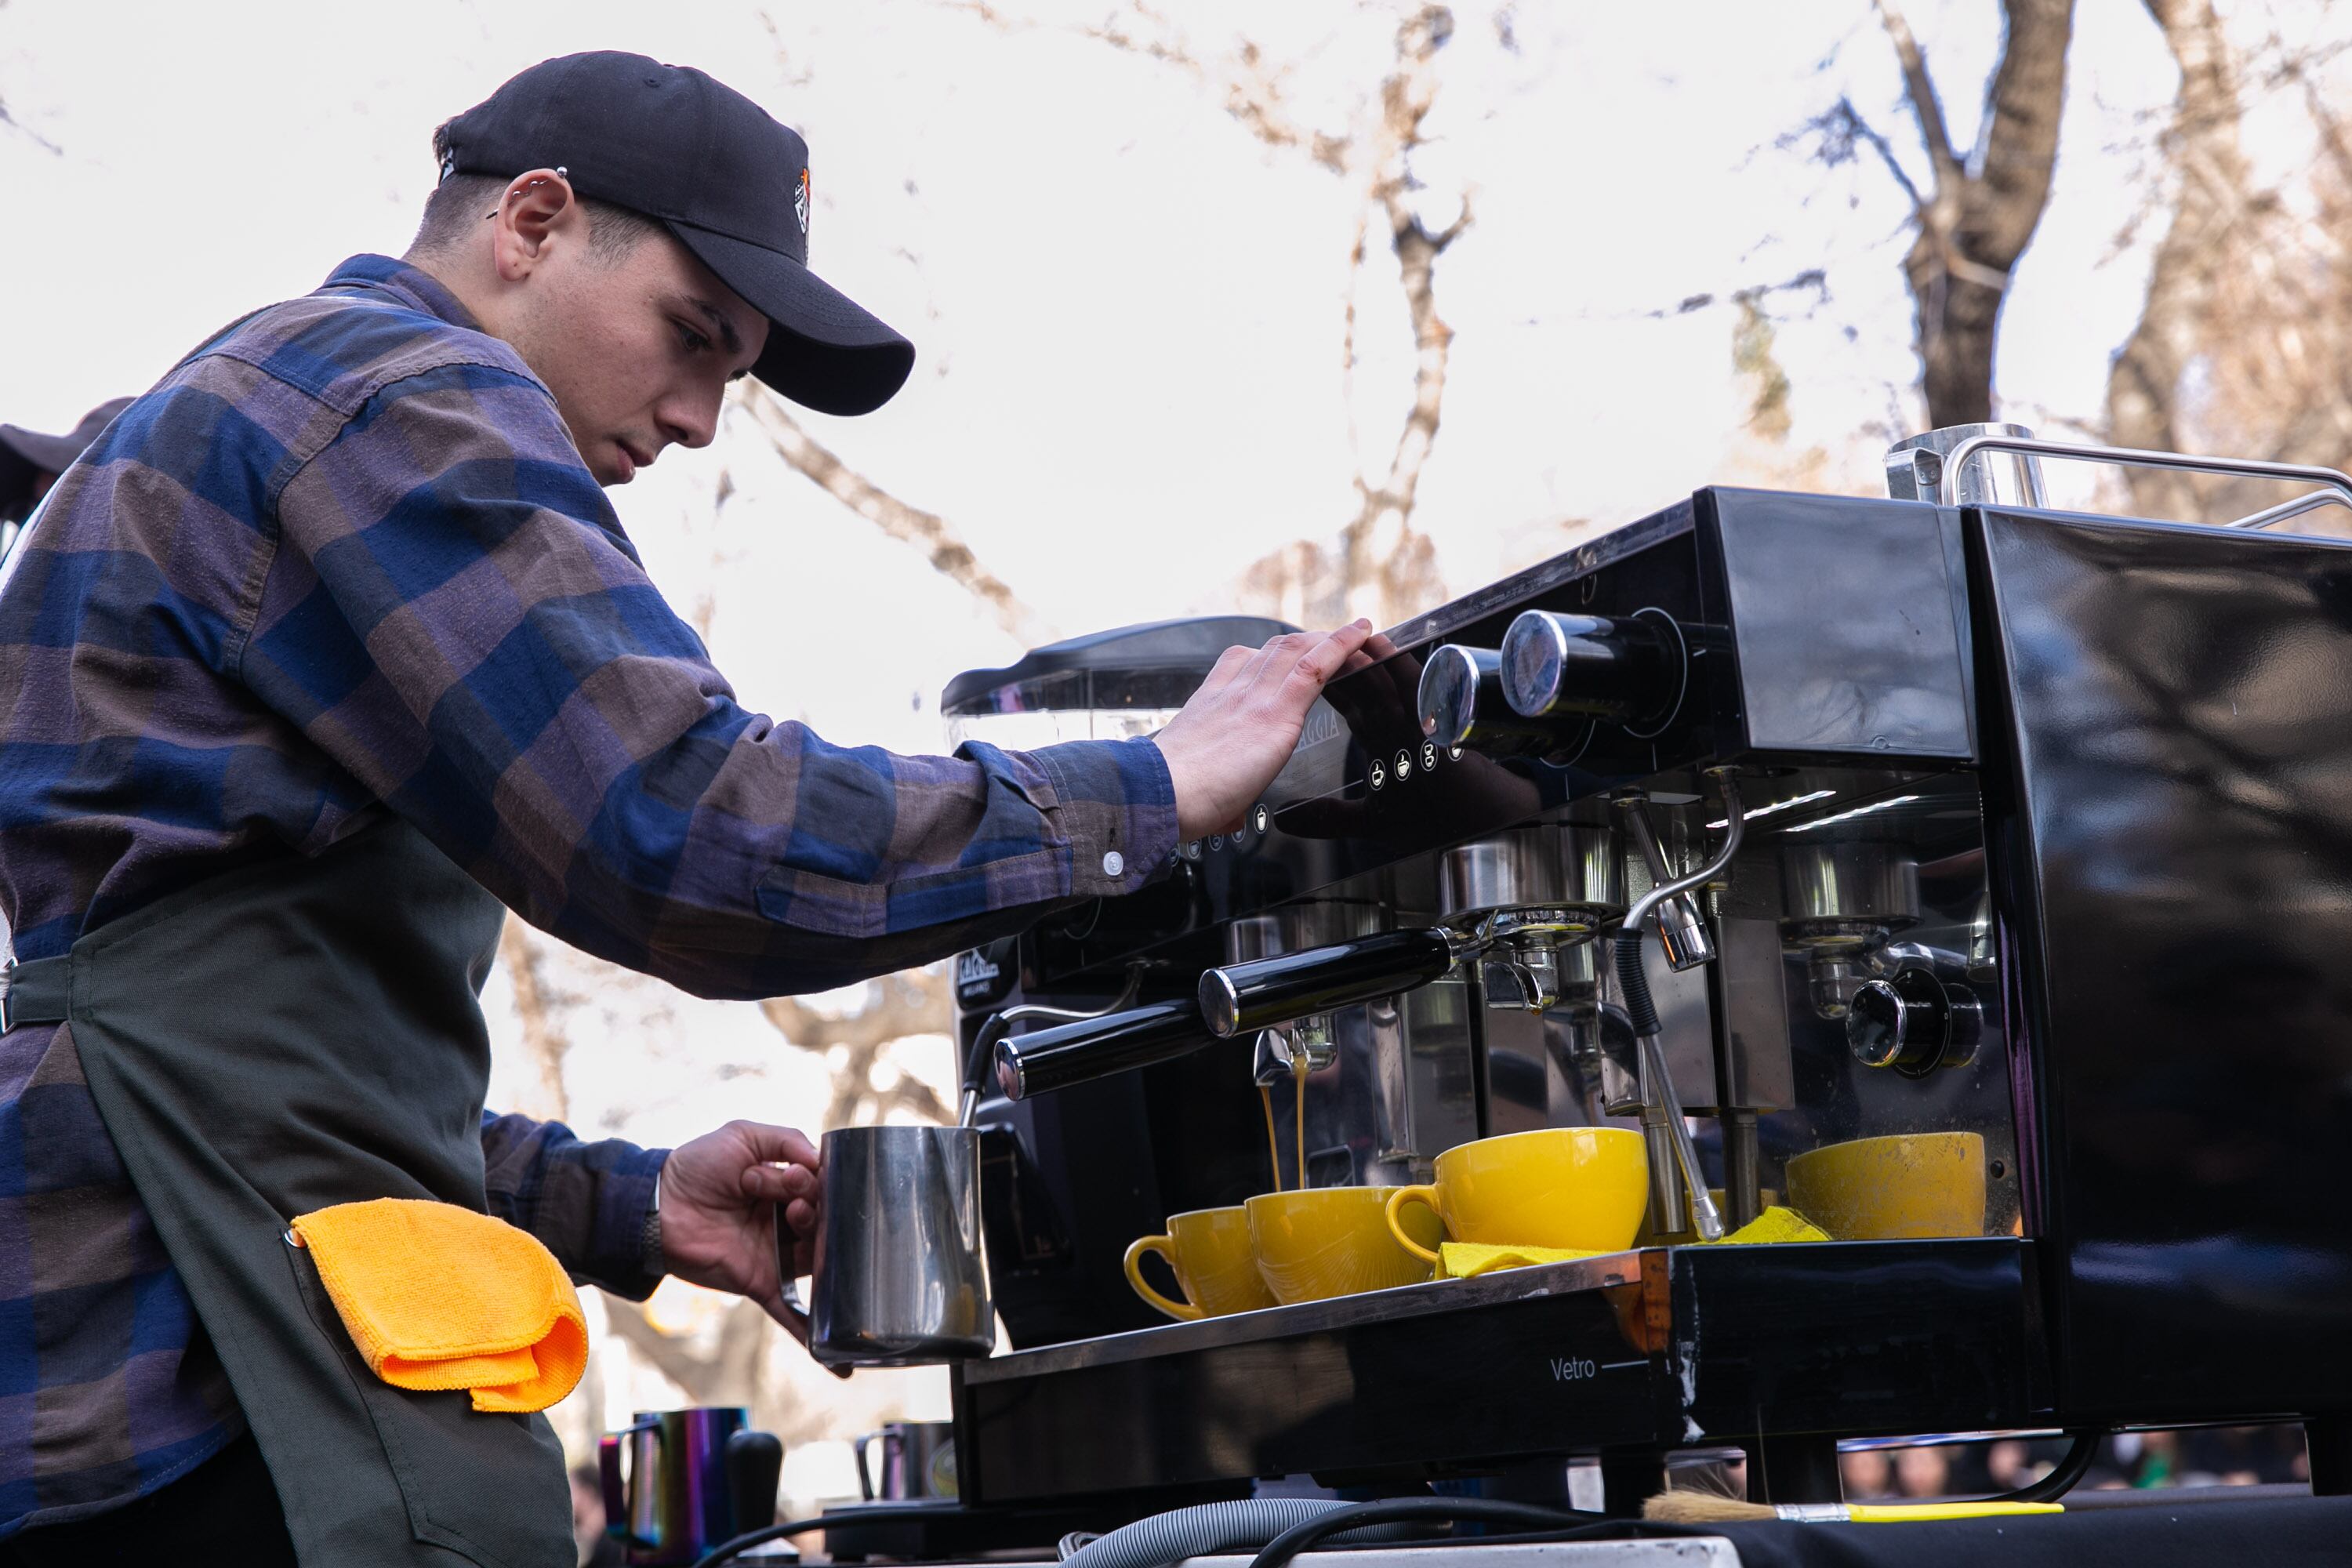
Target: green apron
x=284 y=1036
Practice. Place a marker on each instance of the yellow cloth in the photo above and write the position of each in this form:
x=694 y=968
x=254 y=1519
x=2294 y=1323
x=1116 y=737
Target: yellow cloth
x=1463 y=1259
x=436 y=1296
x=1776 y=1223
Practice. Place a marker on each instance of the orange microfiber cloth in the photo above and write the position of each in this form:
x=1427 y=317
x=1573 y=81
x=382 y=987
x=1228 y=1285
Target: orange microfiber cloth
x=436 y=1296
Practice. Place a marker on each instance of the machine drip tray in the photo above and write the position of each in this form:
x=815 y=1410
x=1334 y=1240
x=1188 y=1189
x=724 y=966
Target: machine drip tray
x=1655 y=1348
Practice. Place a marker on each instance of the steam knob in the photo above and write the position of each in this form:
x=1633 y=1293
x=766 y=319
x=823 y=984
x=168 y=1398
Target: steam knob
x=1620 y=668
x=1461 y=703
x=1913 y=1022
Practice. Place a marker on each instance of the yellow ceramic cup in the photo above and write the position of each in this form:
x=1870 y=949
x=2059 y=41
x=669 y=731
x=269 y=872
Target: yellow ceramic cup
x=1332 y=1241
x=1880 y=1189
x=1579 y=1187
x=1209 y=1252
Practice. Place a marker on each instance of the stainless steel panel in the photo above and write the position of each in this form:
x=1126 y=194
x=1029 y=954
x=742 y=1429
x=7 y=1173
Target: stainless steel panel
x=1549 y=865
x=1758 y=1072
x=1863 y=883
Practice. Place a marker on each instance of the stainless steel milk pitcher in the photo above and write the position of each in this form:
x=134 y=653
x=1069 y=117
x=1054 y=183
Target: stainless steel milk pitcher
x=899 y=1279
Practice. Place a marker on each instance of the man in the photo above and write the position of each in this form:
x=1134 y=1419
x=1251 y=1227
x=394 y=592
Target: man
x=328 y=648
x=30 y=463
x=596 y=1549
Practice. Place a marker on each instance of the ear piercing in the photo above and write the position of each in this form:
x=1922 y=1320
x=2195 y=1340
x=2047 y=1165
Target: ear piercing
x=561 y=173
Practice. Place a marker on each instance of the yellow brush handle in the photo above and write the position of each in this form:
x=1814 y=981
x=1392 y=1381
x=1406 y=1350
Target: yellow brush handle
x=1904 y=1512
x=1397 y=1200
x=1165 y=1245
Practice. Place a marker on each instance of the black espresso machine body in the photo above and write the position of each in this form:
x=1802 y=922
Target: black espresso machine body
x=2046 y=854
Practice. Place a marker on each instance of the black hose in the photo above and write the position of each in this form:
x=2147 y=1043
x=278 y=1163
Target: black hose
x=726 y=1550
x=975 y=1065
x=1300 y=1537
x=1211 y=1530
x=2062 y=1475
x=1633 y=984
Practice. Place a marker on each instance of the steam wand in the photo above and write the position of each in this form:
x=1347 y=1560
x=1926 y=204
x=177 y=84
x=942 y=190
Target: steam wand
x=1658 y=1097
x=996 y=1025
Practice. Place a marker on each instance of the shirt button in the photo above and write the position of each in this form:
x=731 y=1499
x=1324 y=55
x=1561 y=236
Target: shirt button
x=1113 y=864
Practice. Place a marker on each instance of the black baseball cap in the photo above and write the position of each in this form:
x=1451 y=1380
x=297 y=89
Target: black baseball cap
x=718 y=173
x=26 y=453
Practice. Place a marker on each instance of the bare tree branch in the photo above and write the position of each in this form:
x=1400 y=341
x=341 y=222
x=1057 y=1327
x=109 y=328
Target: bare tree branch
x=543 y=1040
x=1252 y=91
x=736 y=1372
x=906 y=1004
x=1972 y=226
x=927 y=532
x=1379 y=565
x=26 y=131
x=2021 y=138
x=1926 y=107
x=1862 y=130
x=2144 y=381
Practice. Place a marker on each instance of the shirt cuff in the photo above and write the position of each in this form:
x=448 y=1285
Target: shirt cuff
x=1115 y=806
x=625 y=1246
x=652 y=1261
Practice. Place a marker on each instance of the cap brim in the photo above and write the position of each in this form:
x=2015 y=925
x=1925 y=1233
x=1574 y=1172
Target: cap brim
x=16 y=485
x=52 y=454
x=825 y=351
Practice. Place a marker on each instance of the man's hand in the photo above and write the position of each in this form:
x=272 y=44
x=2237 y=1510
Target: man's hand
x=1236 y=733
x=722 y=1196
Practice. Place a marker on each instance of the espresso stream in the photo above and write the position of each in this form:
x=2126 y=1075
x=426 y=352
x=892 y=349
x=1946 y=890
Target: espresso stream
x=1274 y=1149
x=1298 y=1093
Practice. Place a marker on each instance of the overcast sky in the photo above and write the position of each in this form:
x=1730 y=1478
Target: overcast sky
x=1129 y=311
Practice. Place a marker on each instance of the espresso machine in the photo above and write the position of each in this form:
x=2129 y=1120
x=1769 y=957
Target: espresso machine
x=1767 y=824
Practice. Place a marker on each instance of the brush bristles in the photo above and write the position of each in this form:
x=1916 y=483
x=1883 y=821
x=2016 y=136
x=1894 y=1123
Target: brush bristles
x=1679 y=1506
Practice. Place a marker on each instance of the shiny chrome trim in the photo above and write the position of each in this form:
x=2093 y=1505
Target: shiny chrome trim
x=1221 y=1010
x=2135 y=458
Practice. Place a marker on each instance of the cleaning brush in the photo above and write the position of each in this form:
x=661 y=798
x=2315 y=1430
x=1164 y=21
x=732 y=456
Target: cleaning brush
x=1685 y=1507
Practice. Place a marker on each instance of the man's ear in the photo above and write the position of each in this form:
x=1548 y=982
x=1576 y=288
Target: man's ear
x=537 y=206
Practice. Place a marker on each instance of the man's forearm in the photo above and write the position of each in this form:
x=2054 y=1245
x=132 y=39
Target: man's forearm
x=546 y=718
x=591 y=1204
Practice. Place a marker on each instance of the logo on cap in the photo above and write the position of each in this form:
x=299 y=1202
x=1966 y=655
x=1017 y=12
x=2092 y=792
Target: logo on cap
x=800 y=204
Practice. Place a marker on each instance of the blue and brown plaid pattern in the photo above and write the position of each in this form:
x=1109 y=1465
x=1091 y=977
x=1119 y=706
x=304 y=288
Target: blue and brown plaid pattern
x=344 y=559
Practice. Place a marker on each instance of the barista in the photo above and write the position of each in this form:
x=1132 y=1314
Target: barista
x=330 y=652
x=30 y=463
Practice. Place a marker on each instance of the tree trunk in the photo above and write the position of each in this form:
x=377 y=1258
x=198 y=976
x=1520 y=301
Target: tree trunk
x=1973 y=226
x=2144 y=383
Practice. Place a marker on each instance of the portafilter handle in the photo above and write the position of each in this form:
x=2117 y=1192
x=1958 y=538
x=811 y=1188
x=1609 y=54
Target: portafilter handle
x=1048 y=1059
x=1268 y=993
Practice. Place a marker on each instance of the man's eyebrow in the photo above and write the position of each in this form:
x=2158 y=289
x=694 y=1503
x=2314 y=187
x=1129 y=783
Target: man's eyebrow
x=723 y=322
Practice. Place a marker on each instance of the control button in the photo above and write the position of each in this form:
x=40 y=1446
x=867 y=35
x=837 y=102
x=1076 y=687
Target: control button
x=1429 y=756
x=1403 y=766
x=1379 y=774
x=1192 y=850
x=1454 y=753
x=1260 y=818
x=1216 y=841
x=1114 y=863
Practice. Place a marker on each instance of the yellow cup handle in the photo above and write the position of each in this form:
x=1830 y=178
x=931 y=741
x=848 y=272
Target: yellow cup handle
x=1397 y=1200
x=1165 y=1245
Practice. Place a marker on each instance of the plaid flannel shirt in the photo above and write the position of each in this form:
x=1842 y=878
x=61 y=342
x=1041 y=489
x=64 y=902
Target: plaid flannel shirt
x=345 y=558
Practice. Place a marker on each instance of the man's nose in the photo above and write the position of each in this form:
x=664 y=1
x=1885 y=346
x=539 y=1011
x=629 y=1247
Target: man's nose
x=689 y=418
